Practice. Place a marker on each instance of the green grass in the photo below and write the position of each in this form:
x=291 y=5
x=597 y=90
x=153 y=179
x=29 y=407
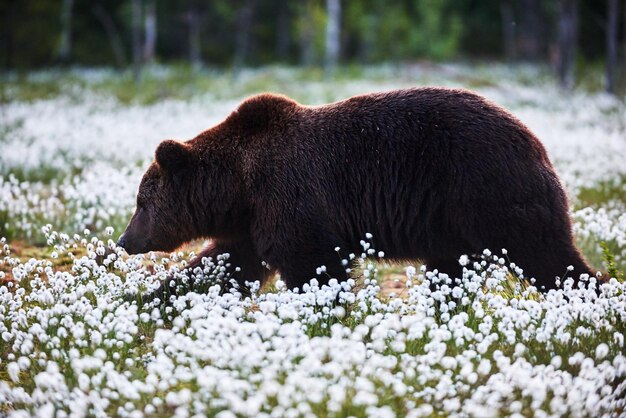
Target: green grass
x=602 y=253
x=183 y=82
x=609 y=259
x=602 y=193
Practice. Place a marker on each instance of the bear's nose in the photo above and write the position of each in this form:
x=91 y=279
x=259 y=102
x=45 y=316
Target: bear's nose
x=121 y=242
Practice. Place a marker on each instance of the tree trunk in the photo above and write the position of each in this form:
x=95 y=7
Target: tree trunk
x=245 y=16
x=568 y=37
x=368 y=36
x=195 y=29
x=150 y=31
x=333 y=35
x=530 y=44
x=611 y=45
x=136 y=38
x=8 y=22
x=282 y=31
x=112 y=33
x=307 y=31
x=508 y=28
x=65 y=47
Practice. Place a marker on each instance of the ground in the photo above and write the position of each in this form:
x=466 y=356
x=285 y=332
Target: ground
x=75 y=335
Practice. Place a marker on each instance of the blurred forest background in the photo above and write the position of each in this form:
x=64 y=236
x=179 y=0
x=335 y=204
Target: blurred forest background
x=570 y=36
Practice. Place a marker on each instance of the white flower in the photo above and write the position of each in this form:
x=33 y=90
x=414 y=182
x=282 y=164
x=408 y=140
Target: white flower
x=410 y=272
x=14 y=371
x=339 y=312
x=602 y=350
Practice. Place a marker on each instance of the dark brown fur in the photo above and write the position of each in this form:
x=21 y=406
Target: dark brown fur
x=432 y=173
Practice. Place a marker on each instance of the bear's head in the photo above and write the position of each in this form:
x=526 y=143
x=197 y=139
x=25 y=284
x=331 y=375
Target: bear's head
x=161 y=221
x=197 y=189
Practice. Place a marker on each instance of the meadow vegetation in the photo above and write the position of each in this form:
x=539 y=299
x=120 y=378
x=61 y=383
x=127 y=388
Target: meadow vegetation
x=76 y=335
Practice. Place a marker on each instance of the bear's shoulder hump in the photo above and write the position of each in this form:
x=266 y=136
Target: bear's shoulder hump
x=261 y=111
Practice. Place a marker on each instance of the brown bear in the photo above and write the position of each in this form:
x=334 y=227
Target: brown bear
x=432 y=173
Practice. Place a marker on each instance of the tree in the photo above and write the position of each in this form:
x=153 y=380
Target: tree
x=436 y=30
x=362 y=32
x=112 y=33
x=194 y=21
x=65 y=47
x=150 y=31
x=307 y=32
x=611 y=45
x=568 y=37
x=245 y=17
x=283 y=30
x=530 y=30
x=333 y=35
x=508 y=28
x=136 y=39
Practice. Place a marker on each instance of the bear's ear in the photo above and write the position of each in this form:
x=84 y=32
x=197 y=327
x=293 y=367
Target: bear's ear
x=172 y=155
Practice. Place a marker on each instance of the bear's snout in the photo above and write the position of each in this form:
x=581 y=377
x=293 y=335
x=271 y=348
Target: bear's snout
x=121 y=242
x=134 y=245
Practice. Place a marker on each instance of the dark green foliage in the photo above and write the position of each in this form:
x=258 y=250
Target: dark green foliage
x=371 y=30
x=609 y=259
x=24 y=37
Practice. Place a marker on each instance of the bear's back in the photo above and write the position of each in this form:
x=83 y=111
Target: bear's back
x=404 y=164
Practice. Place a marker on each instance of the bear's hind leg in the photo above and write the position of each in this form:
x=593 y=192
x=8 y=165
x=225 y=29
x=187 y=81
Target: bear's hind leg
x=545 y=266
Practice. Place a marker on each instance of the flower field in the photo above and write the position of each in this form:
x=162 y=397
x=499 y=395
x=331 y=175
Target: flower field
x=77 y=338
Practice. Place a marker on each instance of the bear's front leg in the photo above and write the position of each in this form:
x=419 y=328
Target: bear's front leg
x=243 y=265
x=299 y=262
